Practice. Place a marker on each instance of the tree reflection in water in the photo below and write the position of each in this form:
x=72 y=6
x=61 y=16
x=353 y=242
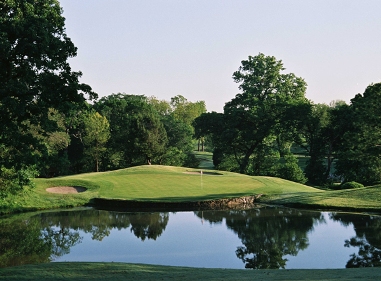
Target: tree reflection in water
x=148 y=225
x=267 y=234
x=368 y=239
x=44 y=237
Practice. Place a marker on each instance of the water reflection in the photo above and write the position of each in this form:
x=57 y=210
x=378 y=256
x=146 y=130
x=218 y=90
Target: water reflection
x=367 y=239
x=268 y=235
x=263 y=238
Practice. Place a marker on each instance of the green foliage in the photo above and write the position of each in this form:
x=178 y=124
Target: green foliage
x=173 y=157
x=350 y=185
x=290 y=170
x=13 y=181
x=35 y=77
x=359 y=156
x=186 y=111
x=315 y=170
x=136 y=130
x=258 y=115
x=191 y=161
x=96 y=135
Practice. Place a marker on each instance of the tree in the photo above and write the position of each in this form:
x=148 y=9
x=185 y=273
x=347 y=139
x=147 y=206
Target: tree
x=359 y=156
x=186 y=111
x=290 y=170
x=177 y=117
x=57 y=140
x=34 y=76
x=137 y=133
x=312 y=140
x=260 y=112
x=97 y=133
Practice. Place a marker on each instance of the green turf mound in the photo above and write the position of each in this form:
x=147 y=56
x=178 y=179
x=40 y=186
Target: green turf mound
x=157 y=183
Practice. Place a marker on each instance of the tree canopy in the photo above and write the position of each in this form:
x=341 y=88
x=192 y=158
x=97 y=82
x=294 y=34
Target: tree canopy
x=34 y=76
x=259 y=114
x=48 y=127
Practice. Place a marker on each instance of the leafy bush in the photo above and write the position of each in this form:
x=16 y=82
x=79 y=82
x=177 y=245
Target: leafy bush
x=346 y=185
x=191 y=161
x=350 y=185
x=290 y=170
x=12 y=181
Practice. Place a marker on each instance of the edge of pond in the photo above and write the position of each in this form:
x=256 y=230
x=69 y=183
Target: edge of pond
x=243 y=202
x=236 y=203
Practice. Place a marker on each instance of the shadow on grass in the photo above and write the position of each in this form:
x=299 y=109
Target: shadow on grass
x=121 y=271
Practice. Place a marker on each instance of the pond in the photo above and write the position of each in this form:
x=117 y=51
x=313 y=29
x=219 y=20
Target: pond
x=260 y=238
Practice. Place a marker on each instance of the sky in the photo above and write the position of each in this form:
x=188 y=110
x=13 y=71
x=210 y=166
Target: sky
x=165 y=48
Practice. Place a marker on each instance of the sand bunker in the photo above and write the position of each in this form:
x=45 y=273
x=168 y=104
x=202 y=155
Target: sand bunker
x=66 y=189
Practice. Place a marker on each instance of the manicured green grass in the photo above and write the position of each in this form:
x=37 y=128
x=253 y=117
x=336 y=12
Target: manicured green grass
x=121 y=271
x=360 y=199
x=177 y=184
x=174 y=184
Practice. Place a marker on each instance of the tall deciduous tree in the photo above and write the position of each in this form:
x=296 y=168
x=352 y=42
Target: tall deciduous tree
x=261 y=111
x=360 y=153
x=137 y=133
x=34 y=76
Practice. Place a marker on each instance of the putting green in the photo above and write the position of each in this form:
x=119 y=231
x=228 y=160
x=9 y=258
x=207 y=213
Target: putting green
x=176 y=184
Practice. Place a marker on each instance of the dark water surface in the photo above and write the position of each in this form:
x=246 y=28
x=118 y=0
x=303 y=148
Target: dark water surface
x=264 y=237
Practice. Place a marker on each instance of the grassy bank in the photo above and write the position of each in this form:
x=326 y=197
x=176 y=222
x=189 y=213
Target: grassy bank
x=121 y=271
x=149 y=183
x=361 y=199
x=177 y=184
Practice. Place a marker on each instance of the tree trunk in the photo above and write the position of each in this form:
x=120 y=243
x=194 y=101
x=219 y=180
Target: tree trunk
x=245 y=161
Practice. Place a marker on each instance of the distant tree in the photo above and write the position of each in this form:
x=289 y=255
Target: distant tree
x=96 y=135
x=177 y=117
x=186 y=111
x=137 y=134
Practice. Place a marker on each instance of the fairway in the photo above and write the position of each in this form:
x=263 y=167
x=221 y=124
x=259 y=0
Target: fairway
x=175 y=184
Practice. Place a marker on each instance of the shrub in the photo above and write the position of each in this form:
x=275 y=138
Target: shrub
x=290 y=170
x=350 y=185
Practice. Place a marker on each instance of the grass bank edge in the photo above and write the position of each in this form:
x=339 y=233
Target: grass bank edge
x=127 y=271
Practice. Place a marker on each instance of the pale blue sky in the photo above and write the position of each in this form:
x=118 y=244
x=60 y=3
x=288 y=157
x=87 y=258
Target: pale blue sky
x=165 y=48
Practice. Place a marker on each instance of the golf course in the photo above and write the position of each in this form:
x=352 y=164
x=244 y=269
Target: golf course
x=155 y=183
x=166 y=184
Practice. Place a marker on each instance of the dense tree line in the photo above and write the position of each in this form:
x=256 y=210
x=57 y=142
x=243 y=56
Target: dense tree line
x=35 y=80
x=51 y=124
x=263 y=127
x=48 y=124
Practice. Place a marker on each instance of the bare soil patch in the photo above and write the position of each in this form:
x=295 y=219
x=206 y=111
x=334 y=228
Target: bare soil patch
x=66 y=189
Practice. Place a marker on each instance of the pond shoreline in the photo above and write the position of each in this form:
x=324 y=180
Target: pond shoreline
x=237 y=203
x=244 y=202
